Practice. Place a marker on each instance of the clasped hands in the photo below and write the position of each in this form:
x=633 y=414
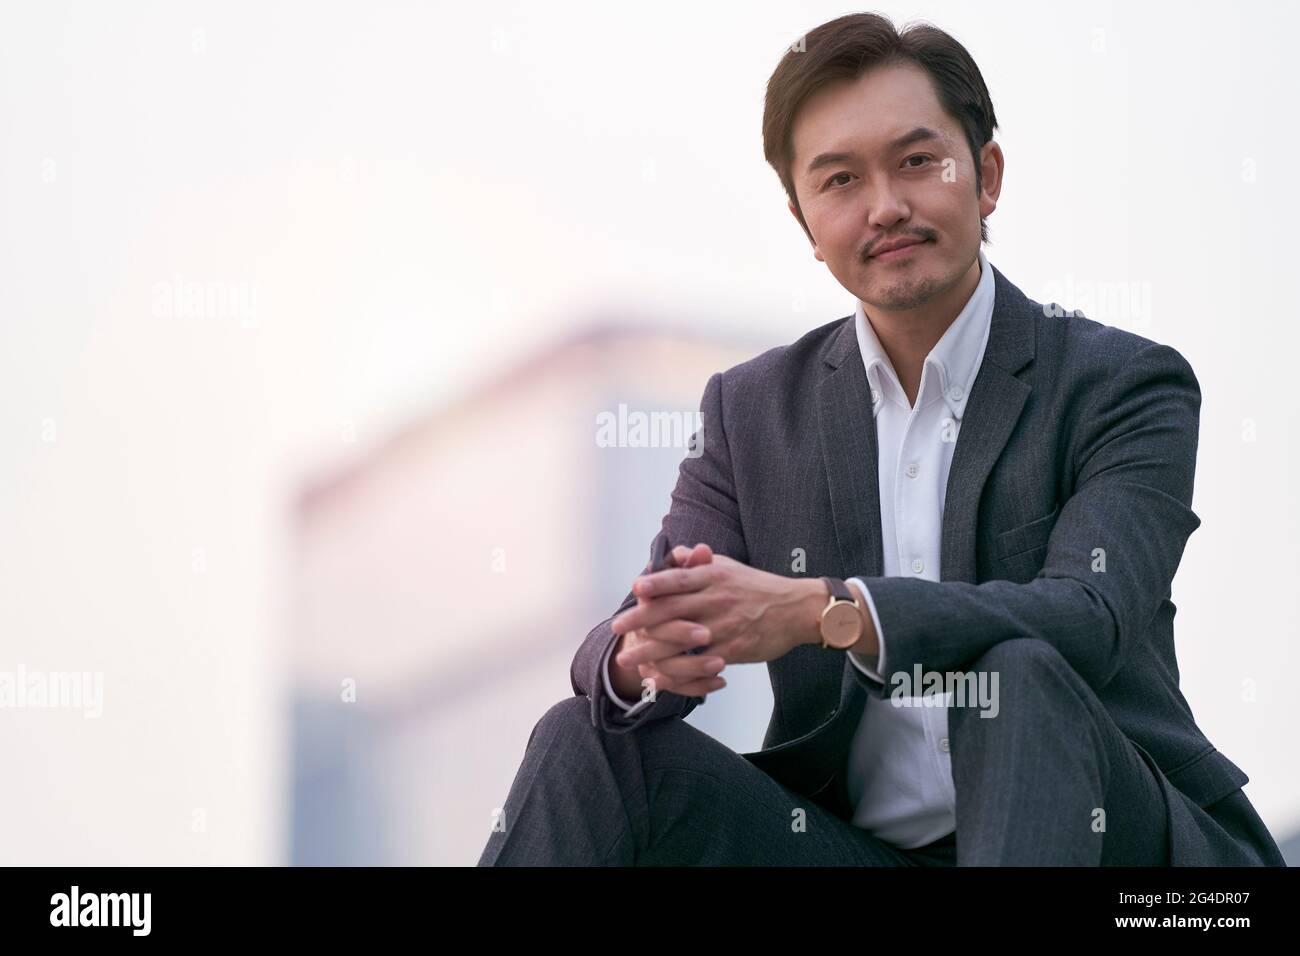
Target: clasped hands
x=737 y=613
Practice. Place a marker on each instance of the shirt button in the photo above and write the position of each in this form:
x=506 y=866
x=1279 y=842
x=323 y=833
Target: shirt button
x=913 y=469
x=918 y=565
x=943 y=744
x=875 y=396
x=955 y=393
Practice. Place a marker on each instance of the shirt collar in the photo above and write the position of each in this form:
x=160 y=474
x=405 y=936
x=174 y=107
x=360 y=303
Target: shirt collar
x=955 y=358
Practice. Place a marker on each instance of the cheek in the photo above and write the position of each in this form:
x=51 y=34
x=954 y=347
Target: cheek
x=952 y=202
x=838 y=231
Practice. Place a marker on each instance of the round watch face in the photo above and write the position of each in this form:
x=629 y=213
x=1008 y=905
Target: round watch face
x=842 y=625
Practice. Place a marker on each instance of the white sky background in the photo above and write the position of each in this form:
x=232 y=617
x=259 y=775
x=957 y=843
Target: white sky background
x=421 y=194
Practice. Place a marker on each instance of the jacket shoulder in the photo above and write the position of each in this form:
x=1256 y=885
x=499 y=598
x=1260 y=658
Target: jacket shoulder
x=1086 y=345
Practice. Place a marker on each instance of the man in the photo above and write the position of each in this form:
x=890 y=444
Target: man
x=954 y=489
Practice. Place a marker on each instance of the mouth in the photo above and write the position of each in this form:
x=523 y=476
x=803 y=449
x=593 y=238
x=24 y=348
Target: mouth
x=903 y=252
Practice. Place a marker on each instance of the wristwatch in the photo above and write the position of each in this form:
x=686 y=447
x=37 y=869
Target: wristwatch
x=841 y=620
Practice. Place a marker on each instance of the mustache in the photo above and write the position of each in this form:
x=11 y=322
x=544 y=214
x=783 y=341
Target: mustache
x=869 y=248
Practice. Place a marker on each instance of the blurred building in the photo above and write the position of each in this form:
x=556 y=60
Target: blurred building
x=443 y=584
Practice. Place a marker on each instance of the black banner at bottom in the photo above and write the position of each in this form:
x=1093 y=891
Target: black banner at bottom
x=332 y=905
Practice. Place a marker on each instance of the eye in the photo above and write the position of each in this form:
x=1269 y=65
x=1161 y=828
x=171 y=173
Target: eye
x=917 y=156
x=833 y=178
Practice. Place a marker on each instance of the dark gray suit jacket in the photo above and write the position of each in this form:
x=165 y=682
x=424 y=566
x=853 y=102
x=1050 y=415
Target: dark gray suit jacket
x=1076 y=436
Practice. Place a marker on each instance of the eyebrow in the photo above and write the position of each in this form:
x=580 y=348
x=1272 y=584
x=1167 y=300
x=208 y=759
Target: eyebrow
x=913 y=136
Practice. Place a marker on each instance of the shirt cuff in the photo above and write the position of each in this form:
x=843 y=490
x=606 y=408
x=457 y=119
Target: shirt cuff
x=870 y=664
x=629 y=709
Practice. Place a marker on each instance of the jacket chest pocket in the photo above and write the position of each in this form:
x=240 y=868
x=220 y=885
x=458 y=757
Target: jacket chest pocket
x=1021 y=549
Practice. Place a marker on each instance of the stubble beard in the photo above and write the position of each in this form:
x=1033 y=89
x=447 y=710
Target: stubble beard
x=902 y=295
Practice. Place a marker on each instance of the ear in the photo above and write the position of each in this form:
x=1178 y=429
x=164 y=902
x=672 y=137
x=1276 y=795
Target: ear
x=795 y=212
x=992 y=164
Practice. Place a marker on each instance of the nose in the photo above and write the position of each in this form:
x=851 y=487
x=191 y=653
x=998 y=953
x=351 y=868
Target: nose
x=887 y=208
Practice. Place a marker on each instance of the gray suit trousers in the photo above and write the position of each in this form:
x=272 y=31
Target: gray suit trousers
x=666 y=794
x=1049 y=781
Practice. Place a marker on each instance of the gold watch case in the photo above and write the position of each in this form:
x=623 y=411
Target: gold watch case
x=841 y=624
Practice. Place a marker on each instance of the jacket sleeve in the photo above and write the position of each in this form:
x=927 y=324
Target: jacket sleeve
x=870 y=664
x=1112 y=552
x=703 y=509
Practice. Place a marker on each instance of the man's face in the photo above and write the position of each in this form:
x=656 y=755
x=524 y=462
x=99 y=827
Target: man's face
x=877 y=160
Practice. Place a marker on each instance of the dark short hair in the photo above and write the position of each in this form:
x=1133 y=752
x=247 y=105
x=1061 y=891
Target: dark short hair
x=844 y=49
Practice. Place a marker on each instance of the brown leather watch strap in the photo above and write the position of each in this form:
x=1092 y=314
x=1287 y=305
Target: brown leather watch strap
x=839 y=590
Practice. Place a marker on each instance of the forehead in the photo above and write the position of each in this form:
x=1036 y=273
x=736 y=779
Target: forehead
x=864 y=114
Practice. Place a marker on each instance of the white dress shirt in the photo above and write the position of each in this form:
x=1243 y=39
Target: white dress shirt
x=899 y=770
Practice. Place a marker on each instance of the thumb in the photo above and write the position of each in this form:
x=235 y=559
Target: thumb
x=684 y=557
x=700 y=554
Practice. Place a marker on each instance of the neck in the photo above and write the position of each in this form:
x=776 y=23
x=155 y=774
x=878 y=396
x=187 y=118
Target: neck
x=907 y=336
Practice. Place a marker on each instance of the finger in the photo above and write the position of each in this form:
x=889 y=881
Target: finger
x=701 y=688
x=688 y=667
x=689 y=688
x=682 y=633
x=700 y=554
x=670 y=581
x=648 y=613
x=663 y=640
x=678 y=557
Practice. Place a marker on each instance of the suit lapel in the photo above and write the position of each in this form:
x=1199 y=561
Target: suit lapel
x=847 y=433
x=848 y=445
x=992 y=410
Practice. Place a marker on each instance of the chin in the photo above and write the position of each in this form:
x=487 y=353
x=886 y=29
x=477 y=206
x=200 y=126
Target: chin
x=906 y=292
